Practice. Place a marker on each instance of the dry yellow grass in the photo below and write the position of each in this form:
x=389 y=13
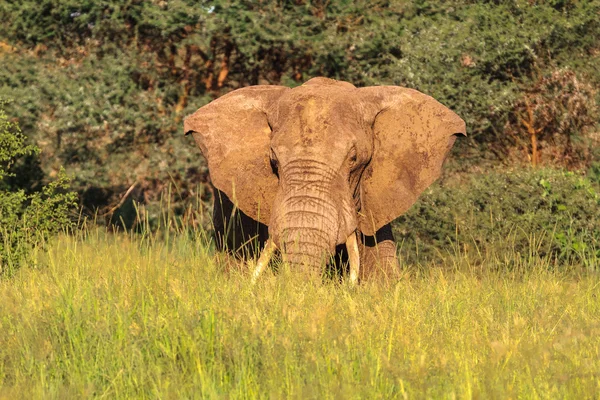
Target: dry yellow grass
x=118 y=317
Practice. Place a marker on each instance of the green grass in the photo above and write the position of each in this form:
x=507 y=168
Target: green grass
x=112 y=316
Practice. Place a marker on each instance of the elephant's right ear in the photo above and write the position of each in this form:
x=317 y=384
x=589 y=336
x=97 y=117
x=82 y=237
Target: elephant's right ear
x=234 y=136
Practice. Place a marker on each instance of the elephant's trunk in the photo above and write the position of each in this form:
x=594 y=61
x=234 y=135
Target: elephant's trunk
x=305 y=246
x=306 y=220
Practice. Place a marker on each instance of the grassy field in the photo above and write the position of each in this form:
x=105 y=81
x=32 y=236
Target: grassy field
x=112 y=316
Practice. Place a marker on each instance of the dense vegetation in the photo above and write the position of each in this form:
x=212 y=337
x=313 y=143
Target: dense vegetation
x=27 y=219
x=553 y=213
x=101 y=86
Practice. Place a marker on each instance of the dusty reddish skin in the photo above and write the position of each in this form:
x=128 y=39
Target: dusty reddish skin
x=346 y=159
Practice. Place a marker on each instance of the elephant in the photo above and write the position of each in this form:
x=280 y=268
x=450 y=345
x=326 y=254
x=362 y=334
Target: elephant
x=310 y=169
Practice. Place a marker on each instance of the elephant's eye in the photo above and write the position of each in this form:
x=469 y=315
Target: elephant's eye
x=352 y=157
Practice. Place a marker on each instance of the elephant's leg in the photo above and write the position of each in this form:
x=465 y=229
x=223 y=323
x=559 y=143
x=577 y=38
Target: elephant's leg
x=222 y=210
x=235 y=232
x=378 y=255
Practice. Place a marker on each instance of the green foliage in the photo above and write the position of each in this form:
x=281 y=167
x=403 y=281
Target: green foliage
x=104 y=85
x=546 y=213
x=27 y=220
x=12 y=144
x=554 y=115
x=479 y=58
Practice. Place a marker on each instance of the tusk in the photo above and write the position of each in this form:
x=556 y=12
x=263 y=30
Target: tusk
x=353 y=256
x=263 y=260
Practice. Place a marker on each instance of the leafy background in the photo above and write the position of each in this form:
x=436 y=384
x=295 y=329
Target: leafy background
x=101 y=87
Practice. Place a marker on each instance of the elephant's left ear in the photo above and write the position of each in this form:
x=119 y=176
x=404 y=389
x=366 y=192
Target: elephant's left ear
x=413 y=134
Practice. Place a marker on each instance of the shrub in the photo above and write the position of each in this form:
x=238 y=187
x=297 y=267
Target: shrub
x=550 y=119
x=545 y=212
x=103 y=85
x=26 y=220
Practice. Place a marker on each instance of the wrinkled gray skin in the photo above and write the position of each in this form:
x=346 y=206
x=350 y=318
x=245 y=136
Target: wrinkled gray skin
x=319 y=163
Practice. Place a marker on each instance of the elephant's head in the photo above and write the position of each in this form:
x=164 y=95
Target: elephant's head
x=320 y=161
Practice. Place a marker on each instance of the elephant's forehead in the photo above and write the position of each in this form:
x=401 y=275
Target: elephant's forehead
x=318 y=132
x=317 y=105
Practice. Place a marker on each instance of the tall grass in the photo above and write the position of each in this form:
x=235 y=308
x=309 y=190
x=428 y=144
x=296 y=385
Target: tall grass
x=150 y=316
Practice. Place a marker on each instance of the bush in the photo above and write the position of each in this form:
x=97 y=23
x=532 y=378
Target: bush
x=551 y=118
x=26 y=220
x=546 y=213
x=109 y=136
x=103 y=85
